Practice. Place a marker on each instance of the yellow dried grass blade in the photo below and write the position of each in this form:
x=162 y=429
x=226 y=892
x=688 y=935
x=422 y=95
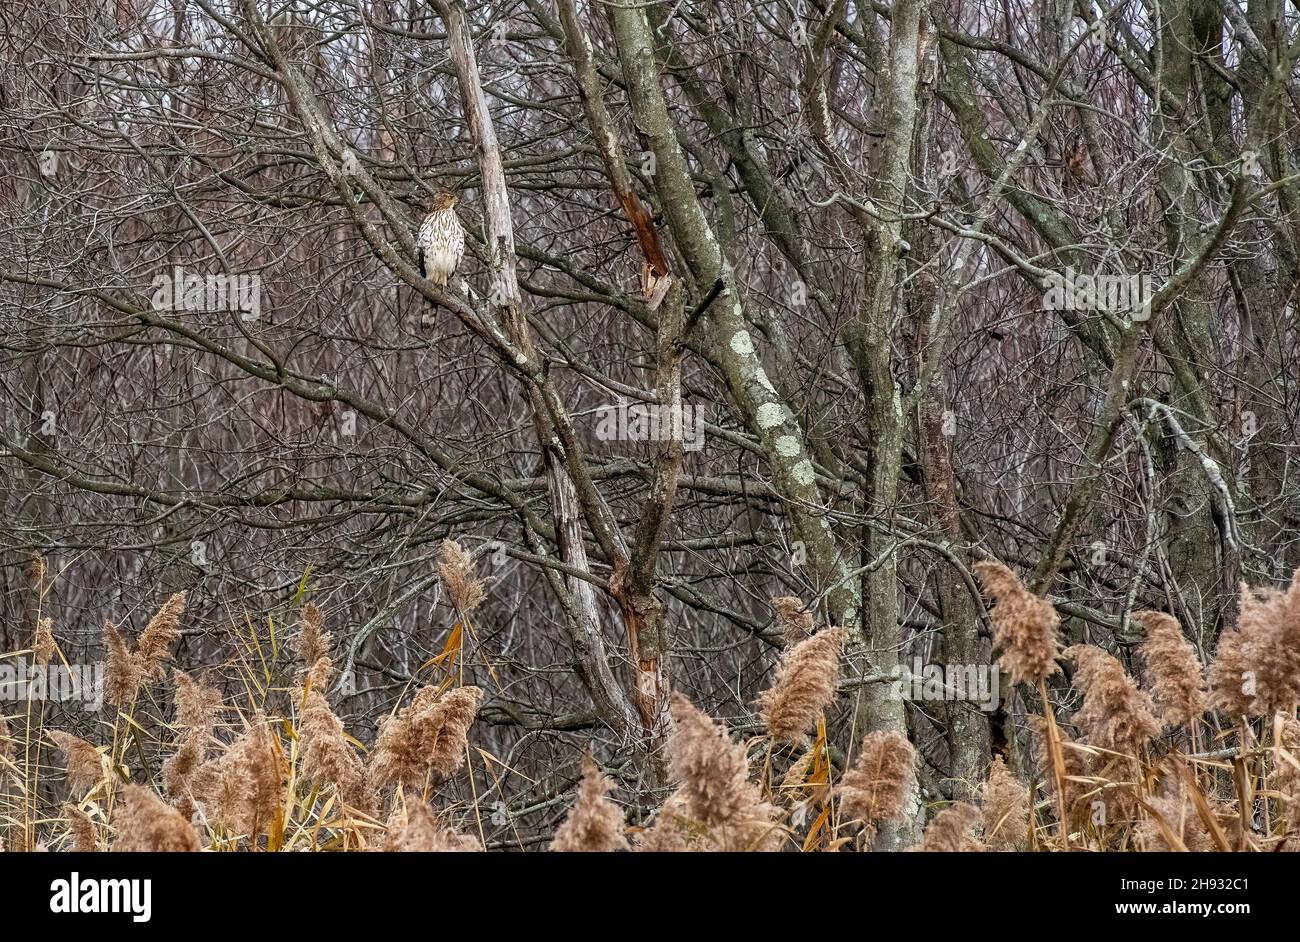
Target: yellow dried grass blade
x=449 y=649
x=1203 y=810
x=818 y=826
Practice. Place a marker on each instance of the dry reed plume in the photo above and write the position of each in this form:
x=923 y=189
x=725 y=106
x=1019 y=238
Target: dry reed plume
x=121 y=674
x=147 y=823
x=1256 y=670
x=153 y=648
x=715 y=805
x=82 y=830
x=594 y=823
x=1115 y=715
x=426 y=737
x=312 y=642
x=1024 y=626
x=1286 y=776
x=415 y=830
x=875 y=790
x=243 y=787
x=327 y=757
x=43 y=642
x=804 y=686
x=82 y=760
x=952 y=830
x=282 y=781
x=197 y=704
x=126 y=670
x=1004 y=805
x=712 y=770
x=1178 y=682
x=456 y=567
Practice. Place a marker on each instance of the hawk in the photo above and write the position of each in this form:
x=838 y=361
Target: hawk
x=441 y=241
x=1076 y=155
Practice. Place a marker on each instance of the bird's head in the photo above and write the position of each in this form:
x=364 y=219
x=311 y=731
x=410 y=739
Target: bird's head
x=443 y=199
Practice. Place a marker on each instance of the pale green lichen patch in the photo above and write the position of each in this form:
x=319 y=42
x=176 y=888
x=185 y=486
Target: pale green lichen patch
x=787 y=446
x=769 y=415
x=741 y=343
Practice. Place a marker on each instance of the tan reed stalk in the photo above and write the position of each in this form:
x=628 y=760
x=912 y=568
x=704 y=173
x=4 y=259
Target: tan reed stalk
x=1058 y=762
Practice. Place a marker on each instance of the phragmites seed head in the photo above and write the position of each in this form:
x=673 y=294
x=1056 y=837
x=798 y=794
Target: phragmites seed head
x=796 y=623
x=753 y=828
x=322 y=669
x=125 y=670
x=82 y=760
x=1261 y=660
x=425 y=737
x=121 y=672
x=144 y=822
x=243 y=787
x=153 y=649
x=951 y=830
x=444 y=728
x=1231 y=687
x=1115 y=714
x=456 y=567
x=1024 y=625
x=197 y=703
x=594 y=823
x=85 y=839
x=671 y=830
x=414 y=830
x=878 y=786
x=804 y=686
x=1176 y=678
x=312 y=642
x=327 y=757
x=43 y=641
x=180 y=769
x=1262 y=621
x=1004 y=805
x=711 y=769
x=395 y=758
x=36 y=571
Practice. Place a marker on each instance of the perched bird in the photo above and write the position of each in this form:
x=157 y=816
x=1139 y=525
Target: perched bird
x=441 y=241
x=1076 y=155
